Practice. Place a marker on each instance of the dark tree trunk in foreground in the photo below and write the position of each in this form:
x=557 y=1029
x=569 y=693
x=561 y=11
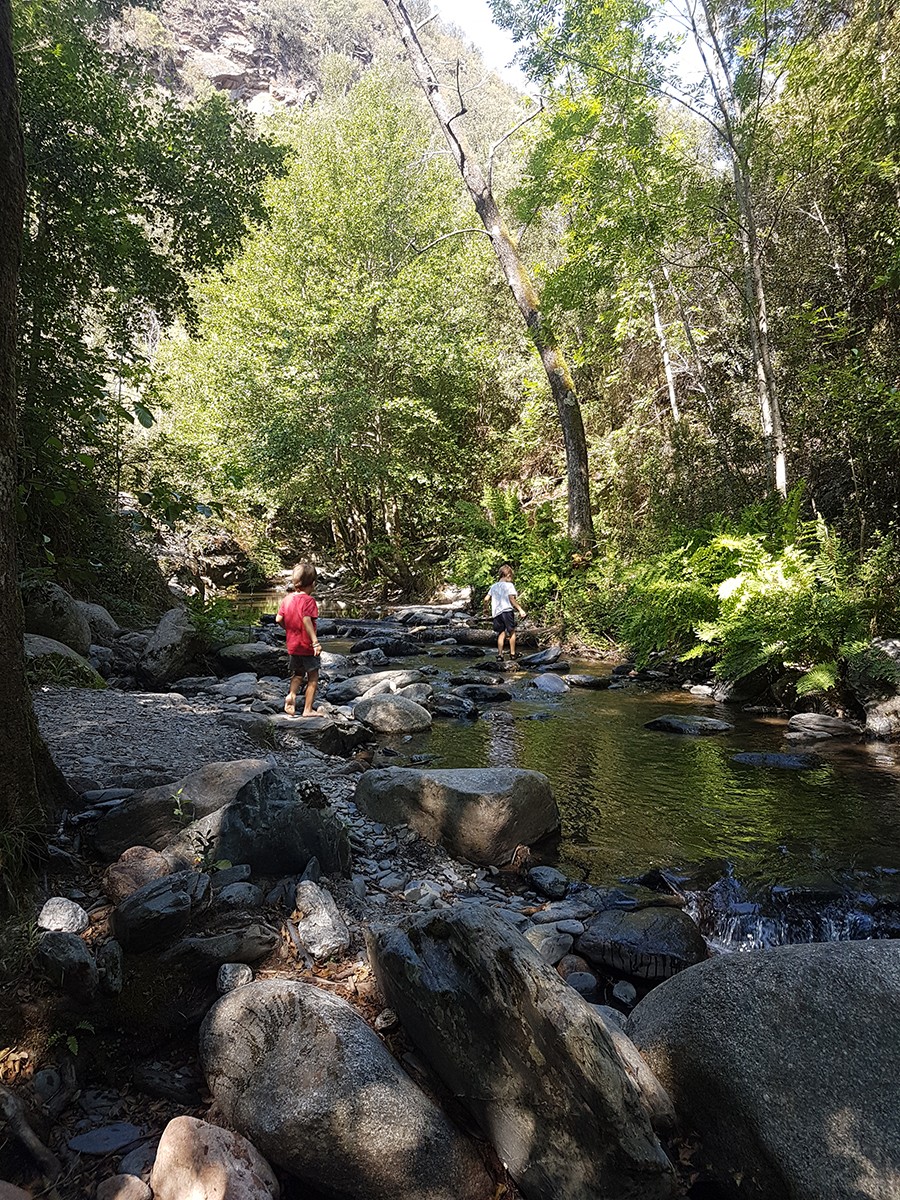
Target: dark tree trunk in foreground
x=519 y=279
x=25 y=766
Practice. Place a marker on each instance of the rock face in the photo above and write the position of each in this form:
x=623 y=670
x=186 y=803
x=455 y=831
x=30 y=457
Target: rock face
x=649 y=943
x=203 y=1162
x=174 y=645
x=690 y=726
x=298 y=1072
x=480 y=815
x=786 y=1063
x=524 y=1054
x=393 y=714
x=273 y=825
x=104 y=629
x=52 y=613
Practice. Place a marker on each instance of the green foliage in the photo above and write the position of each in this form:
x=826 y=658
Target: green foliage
x=69 y=1038
x=215 y=620
x=57 y=670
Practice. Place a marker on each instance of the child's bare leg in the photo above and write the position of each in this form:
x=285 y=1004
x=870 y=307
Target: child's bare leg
x=501 y=642
x=312 y=682
x=512 y=644
x=290 y=703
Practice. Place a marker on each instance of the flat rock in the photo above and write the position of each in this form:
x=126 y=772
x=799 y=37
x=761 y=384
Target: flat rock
x=543 y=658
x=300 y=1073
x=478 y=814
x=523 y=1053
x=245 y=942
x=689 y=725
x=593 y=682
x=393 y=714
x=786 y=1063
x=106 y=1139
x=821 y=723
x=480 y=694
x=648 y=943
x=199 y=1161
x=553 y=685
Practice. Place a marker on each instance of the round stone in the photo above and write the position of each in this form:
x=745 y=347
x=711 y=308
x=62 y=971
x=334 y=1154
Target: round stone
x=63 y=916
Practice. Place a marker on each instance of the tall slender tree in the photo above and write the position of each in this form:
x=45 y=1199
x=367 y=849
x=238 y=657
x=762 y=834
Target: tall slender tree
x=26 y=772
x=521 y=284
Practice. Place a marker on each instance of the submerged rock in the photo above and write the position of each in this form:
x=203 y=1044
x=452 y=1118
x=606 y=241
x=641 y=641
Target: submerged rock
x=524 y=1054
x=785 y=1061
x=480 y=815
x=298 y=1072
x=479 y=693
x=780 y=762
x=594 y=682
x=689 y=725
x=553 y=685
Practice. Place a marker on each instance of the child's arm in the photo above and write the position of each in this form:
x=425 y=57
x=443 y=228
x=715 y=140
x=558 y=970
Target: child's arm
x=279 y=617
x=311 y=631
x=514 y=601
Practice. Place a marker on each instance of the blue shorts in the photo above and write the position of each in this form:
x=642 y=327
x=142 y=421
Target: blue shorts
x=505 y=622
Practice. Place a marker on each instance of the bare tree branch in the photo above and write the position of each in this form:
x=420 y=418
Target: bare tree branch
x=505 y=138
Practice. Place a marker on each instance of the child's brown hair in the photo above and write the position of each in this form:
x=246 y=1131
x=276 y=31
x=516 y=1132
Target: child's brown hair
x=506 y=572
x=303 y=575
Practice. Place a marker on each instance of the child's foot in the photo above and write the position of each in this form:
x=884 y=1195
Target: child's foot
x=311 y=713
x=290 y=706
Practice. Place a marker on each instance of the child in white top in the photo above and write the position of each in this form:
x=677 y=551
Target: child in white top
x=504 y=606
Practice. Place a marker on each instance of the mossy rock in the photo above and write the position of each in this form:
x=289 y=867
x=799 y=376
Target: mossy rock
x=51 y=662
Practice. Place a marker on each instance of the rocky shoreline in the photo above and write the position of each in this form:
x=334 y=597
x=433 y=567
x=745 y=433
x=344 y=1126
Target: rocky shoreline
x=409 y=1005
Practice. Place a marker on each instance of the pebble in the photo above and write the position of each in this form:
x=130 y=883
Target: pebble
x=231 y=976
x=625 y=992
x=575 y=928
x=63 y=916
x=584 y=983
x=386 y=1021
x=551 y=946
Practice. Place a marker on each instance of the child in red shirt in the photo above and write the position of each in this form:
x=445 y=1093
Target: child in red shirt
x=298 y=614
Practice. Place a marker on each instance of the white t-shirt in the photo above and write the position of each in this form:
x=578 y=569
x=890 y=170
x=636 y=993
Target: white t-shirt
x=500 y=593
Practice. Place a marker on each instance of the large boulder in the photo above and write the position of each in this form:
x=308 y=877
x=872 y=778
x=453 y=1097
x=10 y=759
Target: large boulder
x=393 y=714
x=199 y=1161
x=157 y=815
x=52 y=613
x=374 y=683
x=258 y=657
x=104 y=628
x=786 y=1064
x=524 y=1054
x=647 y=943
x=329 y=734
x=49 y=661
x=172 y=648
x=273 y=824
x=479 y=814
x=300 y=1073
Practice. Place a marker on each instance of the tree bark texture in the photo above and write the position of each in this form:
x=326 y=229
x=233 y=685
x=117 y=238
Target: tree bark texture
x=24 y=761
x=562 y=386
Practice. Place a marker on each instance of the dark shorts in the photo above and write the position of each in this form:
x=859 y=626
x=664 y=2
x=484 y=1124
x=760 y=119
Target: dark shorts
x=302 y=664
x=505 y=622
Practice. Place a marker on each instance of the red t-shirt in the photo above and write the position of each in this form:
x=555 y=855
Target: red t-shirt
x=294 y=608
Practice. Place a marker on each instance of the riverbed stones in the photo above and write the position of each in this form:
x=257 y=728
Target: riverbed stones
x=173 y=646
x=321 y=927
x=393 y=714
x=121 y=1187
x=63 y=915
x=374 y=683
x=480 y=694
x=478 y=814
x=104 y=628
x=550 y=944
x=647 y=943
x=273 y=824
x=689 y=726
x=820 y=723
x=65 y=960
x=134 y=867
x=52 y=613
x=786 y=1063
x=549 y=882
x=523 y=1053
x=199 y=1161
x=159 y=911
x=111 y=967
x=298 y=1072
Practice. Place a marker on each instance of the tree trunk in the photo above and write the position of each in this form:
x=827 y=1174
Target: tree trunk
x=666 y=357
x=25 y=766
x=562 y=386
